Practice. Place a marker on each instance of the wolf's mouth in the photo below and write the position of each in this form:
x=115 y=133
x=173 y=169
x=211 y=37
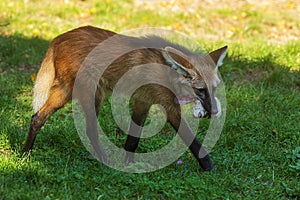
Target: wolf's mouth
x=198 y=109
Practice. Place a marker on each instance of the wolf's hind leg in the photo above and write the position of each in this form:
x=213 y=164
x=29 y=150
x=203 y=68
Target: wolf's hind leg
x=140 y=113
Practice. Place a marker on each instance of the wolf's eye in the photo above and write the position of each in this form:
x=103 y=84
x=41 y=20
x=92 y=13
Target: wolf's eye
x=201 y=93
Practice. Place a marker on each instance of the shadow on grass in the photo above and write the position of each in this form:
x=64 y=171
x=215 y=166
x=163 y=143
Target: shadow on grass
x=19 y=60
x=254 y=89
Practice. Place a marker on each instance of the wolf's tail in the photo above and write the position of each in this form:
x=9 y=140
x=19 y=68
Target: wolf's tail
x=44 y=81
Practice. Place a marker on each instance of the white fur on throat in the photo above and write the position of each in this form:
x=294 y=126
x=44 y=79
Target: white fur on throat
x=218 y=107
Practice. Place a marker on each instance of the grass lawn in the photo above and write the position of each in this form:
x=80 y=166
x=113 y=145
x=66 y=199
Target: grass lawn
x=258 y=153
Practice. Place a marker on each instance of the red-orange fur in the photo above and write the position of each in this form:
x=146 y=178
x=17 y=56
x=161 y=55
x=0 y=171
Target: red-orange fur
x=67 y=52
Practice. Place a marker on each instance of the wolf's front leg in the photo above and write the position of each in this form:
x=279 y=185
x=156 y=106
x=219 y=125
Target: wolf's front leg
x=186 y=134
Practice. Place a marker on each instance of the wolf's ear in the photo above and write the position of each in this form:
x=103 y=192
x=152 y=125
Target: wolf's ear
x=218 y=55
x=177 y=60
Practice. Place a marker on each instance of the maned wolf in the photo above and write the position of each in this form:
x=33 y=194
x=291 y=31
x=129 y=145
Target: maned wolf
x=56 y=78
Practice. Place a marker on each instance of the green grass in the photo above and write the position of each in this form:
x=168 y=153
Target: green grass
x=257 y=155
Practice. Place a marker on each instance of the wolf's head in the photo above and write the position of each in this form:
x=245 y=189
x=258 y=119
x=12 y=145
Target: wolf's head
x=201 y=73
